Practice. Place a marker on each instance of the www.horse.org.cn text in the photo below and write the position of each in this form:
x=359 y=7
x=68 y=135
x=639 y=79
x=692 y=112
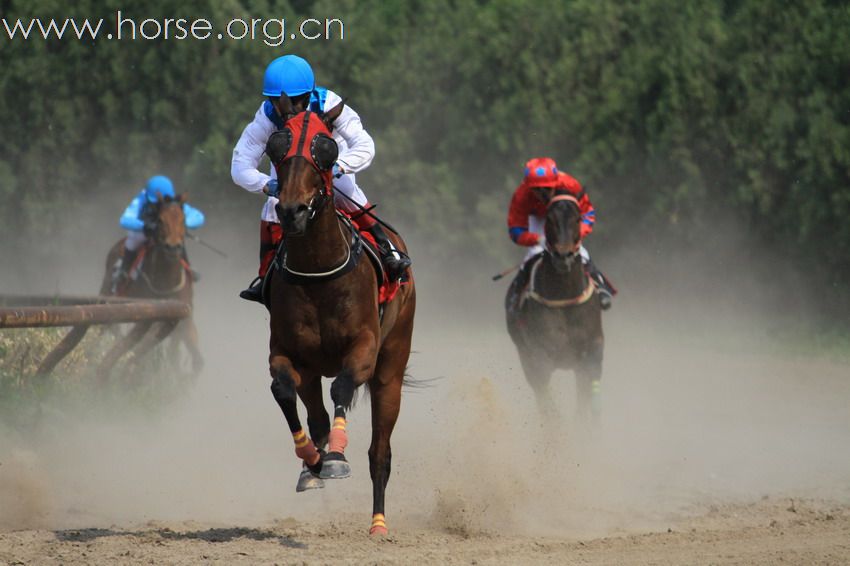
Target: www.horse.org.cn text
x=271 y=31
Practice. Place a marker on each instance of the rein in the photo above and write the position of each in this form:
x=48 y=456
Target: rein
x=309 y=137
x=589 y=288
x=557 y=198
x=353 y=253
x=568 y=198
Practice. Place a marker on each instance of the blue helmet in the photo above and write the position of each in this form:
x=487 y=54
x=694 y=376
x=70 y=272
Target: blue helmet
x=290 y=75
x=159 y=184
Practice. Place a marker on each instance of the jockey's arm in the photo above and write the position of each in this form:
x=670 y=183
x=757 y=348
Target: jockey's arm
x=130 y=219
x=360 y=148
x=248 y=153
x=522 y=237
x=518 y=220
x=194 y=217
x=588 y=215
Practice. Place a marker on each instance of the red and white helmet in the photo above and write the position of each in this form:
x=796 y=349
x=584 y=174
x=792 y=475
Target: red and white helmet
x=541 y=172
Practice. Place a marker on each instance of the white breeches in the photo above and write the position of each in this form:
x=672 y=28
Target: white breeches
x=135 y=240
x=345 y=185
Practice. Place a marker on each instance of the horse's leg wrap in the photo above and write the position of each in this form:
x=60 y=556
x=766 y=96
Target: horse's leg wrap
x=338 y=439
x=379 y=525
x=342 y=394
x=334 y=464
x=283 y=389
x=305 y=449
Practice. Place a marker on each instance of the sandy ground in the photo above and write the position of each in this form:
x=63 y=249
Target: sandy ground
x=761 y=533
x=717 y=445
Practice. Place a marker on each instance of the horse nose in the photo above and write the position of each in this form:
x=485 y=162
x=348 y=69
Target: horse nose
x=292 y=215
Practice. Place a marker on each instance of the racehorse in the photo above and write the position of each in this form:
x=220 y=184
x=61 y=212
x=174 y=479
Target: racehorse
x=160 y=272
x=325 y=316
x=553 y=313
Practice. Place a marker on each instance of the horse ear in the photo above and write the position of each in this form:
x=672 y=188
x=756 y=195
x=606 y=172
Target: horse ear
x=159 y=197
x=331 y=115
x=182 y=198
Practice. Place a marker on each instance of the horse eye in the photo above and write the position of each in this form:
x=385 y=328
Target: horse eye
x=278 y=145
x=324 y=151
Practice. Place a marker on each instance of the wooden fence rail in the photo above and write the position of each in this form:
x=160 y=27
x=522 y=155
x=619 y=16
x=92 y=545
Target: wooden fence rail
x=21 y=311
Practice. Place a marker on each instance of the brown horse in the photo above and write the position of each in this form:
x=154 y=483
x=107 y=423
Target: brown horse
x=325 y=317
x=164 y=274
x=553 y=313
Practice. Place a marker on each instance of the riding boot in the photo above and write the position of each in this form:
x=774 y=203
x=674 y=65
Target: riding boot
x=270 y=238
x=395 y=261
x=254 y=292
x=121 y=270
x=604 y=287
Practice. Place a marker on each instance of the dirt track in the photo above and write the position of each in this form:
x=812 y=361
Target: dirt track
x=767 y=532
x=715 y=447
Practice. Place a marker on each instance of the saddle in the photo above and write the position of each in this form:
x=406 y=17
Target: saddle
x=522 y=289
x=360 y=242
x=134 y=270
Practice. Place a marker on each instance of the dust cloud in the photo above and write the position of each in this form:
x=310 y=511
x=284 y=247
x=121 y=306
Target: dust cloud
x=704 y=402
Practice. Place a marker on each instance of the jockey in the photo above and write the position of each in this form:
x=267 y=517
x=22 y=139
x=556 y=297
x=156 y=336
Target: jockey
x=292 y=76
x=527 y=215
x=134 y=221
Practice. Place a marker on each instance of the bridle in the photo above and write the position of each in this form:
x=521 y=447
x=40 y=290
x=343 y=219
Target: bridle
x=569 y=258
x=310 y=138
x=572 y=254
x=157 y=242
x=321 y=152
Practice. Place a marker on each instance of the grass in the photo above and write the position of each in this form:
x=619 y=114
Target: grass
x=145 y=386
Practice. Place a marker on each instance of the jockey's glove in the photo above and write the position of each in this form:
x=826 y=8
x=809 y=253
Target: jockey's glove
x=338 y=172
x=272 y=188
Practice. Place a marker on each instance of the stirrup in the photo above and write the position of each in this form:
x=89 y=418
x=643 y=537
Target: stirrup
x=396 y=267
x=254 y=292
x=604 y=298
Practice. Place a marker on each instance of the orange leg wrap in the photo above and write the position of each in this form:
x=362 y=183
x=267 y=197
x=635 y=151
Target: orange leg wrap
x=379 y=525
x=304 y=448
x=338 y=439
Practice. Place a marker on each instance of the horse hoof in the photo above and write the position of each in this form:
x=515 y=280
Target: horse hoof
x=308 y=481
x=334 y=467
